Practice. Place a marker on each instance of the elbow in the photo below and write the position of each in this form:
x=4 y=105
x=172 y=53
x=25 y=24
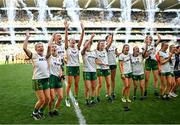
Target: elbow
x=24 y=48
x=162 y=63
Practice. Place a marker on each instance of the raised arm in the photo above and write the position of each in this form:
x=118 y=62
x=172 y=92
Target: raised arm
x=144 y=53
x=82 y=36
x=116 y=52
x=52 y=38
x=109 y=42
x=163 y=61
x=25 y=44
x=66 y=25
x=48 y=54
x=158 y=40
x=86 y=45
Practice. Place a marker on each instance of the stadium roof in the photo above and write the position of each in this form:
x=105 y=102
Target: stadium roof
x=115 y=4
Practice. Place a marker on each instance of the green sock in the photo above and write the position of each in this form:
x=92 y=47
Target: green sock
x=76 y=97
x=126 y=97
x=67 y=98
x=42 y=109
x=155 y=90
x=87 y=100
x=92 y=98
x=55 y=110
x=35 y=110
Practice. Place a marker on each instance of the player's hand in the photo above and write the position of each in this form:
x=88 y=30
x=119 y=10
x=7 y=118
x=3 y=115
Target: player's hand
x=110 y=38
x=66 y=24
x=170 y=55
x=60 y=74
x=92 y=35
x=122 y=76
x=105 y=64
x=27 y=33
x=82 y=26
x=159 y=37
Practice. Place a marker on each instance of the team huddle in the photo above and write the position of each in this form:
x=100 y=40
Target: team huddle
x=48 y=70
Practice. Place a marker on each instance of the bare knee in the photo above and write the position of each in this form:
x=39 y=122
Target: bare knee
x=99 y=85
x=52 y=99
x=87 y=89
x=135 y=86
x=108 y=85
x=146 y=79
x=42 y=101
x=48 y=99
x=93 y=87
x=76 y=85
x=69 y=85
x=60 y=97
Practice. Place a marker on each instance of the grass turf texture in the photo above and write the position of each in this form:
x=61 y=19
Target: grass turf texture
x=18 y=99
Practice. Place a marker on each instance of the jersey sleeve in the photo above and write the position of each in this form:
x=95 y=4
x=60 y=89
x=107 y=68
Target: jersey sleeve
x=95 y=54
x=34 y=56
x=120 y=58
x=160 y=54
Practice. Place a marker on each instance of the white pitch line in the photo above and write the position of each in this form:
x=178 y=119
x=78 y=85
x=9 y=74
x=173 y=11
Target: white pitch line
x=81 y=118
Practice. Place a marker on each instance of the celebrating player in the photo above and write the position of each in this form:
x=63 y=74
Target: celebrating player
x=40 y=77
x=60 y=47
x=172 y=49
x=177 y=66
x=138 y=71
x=89 y=71
x=73 y=64
x=165 y=57
x=55 y=84
x=103 y=70
x=126 y=72
x=112 y=54
x=151 y=63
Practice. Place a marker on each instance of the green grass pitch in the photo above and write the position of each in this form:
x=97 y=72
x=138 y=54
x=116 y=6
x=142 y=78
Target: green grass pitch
x=17 y=100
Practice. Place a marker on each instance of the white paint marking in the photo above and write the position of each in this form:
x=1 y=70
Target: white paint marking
x=81 y=118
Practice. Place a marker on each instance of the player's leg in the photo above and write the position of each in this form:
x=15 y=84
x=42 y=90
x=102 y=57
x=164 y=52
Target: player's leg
x=52 y=94
x=169 y=84
x=87 y=91
x=68 y=87
x=108 y=86
x=128 y=89
x=142 y=88
x=113 y=76
x=76 y=82
x=162 y=86
x=99 y=86
x=59 y=92
x=93 y=91
x=41 y=101
x=47 y=101
x=147 y=75
x=124 y=89
x=173 y=86
x=135 y=82
x=155 y=76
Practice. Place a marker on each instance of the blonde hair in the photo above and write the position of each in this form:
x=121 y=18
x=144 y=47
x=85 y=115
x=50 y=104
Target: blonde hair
x=38 y=43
